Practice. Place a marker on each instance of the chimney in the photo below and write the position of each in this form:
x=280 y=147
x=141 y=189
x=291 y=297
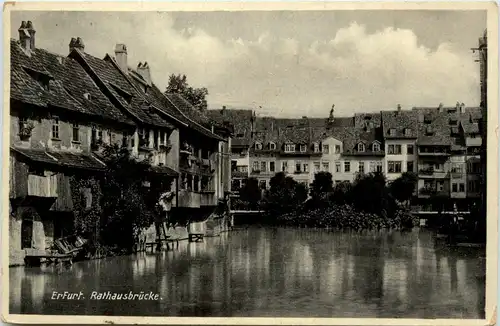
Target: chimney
x=462 y=108
x=399 y=108
x=76 y=43
x=31 y=31
x=143 y=70
x=24 y=36
x=121 y=57
x=440 y=108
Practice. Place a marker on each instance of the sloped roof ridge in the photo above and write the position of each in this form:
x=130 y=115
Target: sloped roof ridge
x=82 y=56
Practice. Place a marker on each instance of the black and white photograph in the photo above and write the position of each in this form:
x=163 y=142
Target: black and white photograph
x=248 y=161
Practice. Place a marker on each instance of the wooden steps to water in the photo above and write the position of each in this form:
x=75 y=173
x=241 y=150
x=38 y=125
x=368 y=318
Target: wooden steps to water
x=47 y=258
x=196 y=237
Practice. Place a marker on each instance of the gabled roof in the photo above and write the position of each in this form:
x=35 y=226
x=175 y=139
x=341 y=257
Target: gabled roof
x=120 y=88
x=353 y=136
x=68 y=84
x=240 y=120
x=400 y=121
x=64 y=159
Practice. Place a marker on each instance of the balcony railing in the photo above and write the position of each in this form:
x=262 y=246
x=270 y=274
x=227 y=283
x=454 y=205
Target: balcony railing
x=42 y=186
x=426 y=171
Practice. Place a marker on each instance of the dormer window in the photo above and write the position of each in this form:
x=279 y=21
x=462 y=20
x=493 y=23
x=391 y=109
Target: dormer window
x=392 y=132
x=376 y=147
x=87 y=96
x=407 y=131
x=240 y=135
x=272 y=146
x=303 y=148
x=316 y=147
x=429 y=130
x=289 y=148
x=361 y=147
x=42 y=78
x=427 y=118
x=258 y=146
x=453 y=121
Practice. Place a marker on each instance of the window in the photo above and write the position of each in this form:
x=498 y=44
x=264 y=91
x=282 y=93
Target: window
x=125 y=138
x=297 y=167
x=454 y=187
x=407 y=131
x=255 y=166
x=361 y=147
x=289 y=148
x=337 y=149
x=317 y=166
x=456 y=168
x=376 y=147
x=55 y=128
x=410 y=150
x=272 y=146
x=440 y=185
x=326 y=149
x=196 y=186
x=392 y=132
x=305 y=167
x=379 y=167
x=461 y=187
x=409 y=166
x=429 y=130
x=390 y=149
x=397 y=149
x=361 y=167
x=284 y=166
x=316 y=148
x=347 y=166
x=303 y=148
x=26 y=232
x=338 y=167
x=263 y=166
x=262 y=184
x=258 y=146
x=326 y=166
x=76 y=132
x=372 y=166
x=394 y=167
x=272 y=167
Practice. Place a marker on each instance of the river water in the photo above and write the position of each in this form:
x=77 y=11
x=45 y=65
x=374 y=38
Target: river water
x=265 y=272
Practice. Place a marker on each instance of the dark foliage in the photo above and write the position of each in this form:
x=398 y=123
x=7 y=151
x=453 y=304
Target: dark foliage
x=196 y=96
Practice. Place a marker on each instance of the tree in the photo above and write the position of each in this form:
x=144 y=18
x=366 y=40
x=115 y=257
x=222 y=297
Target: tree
x=196 y=96
x=403 y=188
x=251 y=192
x=282 y=195
x=370 y=194
x=128 y=203
x=321 y=185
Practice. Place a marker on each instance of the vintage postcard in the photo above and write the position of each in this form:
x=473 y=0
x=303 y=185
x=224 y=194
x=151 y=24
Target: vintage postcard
x=250 y=163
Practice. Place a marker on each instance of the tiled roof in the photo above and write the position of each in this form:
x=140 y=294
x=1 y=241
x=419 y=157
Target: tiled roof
x=69 y=87
x=351 y=137
x=441 y=122
x=71 y=160
x=399 y=121
x=164 y=170
x=241 y=121
x=360 y=119
x=121 y=89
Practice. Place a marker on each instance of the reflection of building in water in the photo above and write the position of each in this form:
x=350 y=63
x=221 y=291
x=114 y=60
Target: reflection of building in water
x=16 y=276
x=331 y=277
x=395 y=279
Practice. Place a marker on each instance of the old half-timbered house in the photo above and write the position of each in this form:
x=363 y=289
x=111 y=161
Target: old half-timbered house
x=55 y=110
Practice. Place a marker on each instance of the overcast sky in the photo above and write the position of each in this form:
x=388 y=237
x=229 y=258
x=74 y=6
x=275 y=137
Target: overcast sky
x=289 y=63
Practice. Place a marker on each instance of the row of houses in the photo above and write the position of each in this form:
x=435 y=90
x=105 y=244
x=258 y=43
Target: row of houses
x=442 y=145
x=65 y=107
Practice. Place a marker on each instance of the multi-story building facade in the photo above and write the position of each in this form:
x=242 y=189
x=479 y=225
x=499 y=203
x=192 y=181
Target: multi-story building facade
x=400 y=137
x=65 y=108
x=440 y=145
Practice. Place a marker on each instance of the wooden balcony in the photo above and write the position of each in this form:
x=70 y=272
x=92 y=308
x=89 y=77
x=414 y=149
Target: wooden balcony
x=42 y=186
x=187 y=198
x=208 y=198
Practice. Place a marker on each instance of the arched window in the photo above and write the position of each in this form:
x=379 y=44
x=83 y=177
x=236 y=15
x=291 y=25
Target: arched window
x=258 y=146
x=272 y=146
x=361 y=147
x=376 y=147
x=316 y=147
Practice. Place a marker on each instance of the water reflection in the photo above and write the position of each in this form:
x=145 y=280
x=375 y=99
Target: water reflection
x=284 y=272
